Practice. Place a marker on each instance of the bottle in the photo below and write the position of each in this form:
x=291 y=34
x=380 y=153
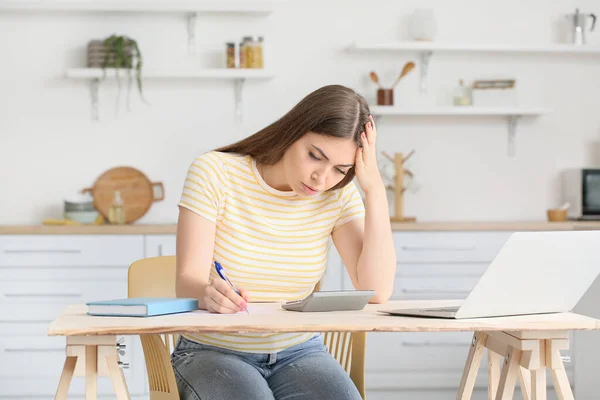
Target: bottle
x=250 y=53
x=116 y=211
x=461 y=95
x=230 y=46
x=242 y=51
x=259 y=53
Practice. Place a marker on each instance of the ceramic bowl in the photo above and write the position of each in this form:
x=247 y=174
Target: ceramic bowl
x=84 y=217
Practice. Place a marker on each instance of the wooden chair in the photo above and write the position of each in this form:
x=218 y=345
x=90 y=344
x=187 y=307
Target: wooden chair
x=155 y=277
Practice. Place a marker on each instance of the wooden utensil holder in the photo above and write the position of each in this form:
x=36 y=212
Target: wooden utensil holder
x=385 y=97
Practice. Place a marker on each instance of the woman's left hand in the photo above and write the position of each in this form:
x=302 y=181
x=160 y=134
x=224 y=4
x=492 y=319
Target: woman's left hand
x=367 y=172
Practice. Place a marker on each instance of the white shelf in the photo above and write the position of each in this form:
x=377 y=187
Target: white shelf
x=237 y=75
x=512 y=115
x=426 y=50
x=473 y=48
x=458 y=111
x=190 y=8
x=209 y=73
x=186 y=6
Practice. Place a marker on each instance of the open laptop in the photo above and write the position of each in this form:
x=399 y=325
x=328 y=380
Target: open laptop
x=534 y=273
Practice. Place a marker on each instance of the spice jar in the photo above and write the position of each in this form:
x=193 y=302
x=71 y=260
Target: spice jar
x=461 y=95
x=242 y=54
x=246 y=51
x=259 y=53
x=230 y=53
x=250 y=45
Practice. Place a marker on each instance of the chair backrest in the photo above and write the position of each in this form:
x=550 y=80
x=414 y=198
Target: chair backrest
x=155 y=277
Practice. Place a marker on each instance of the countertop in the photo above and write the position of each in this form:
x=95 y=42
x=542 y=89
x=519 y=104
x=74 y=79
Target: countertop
x=166 y=229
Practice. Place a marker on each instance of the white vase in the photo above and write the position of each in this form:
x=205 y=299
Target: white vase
x=422 y=25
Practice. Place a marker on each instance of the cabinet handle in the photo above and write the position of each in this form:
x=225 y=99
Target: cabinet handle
x=34 y=294
x=430 y=291
x=32 y=349
x=438 y=248
x=160 y=253
x=43 y=251
x=436 y=344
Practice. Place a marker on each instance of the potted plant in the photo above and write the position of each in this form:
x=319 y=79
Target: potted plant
x=122 y=52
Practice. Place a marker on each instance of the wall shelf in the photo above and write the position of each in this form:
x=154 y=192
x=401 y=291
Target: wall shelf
x=426 y=50
x=186 y=6
x=512 y=114
x=190 y=8
x=238 y=75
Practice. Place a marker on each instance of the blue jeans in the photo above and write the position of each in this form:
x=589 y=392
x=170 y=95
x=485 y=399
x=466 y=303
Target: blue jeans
x=305 y=371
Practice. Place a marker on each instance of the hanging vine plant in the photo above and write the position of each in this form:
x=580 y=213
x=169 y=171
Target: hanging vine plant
x=122 y=52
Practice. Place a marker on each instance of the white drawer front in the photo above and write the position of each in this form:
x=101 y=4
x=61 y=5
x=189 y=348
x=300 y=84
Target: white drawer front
x=61 y=292
x=424 y=247
x=426 y=354
x=70 y=250
x=464 y=269
x=422 y=351
x=409 y=288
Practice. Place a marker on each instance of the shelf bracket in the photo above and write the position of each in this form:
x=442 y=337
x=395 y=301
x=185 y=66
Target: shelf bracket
x=237 y=91
x=425 y=58
x=512 y=129
x=94 y=87
x=191 y=31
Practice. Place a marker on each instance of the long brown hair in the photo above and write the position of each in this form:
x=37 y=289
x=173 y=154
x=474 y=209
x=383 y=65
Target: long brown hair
x=332 y=110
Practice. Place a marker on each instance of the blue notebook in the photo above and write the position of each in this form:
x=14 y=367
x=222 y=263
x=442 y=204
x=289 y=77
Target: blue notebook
x=141 y=306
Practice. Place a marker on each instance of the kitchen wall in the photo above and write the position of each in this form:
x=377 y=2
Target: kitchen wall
x=49 y=146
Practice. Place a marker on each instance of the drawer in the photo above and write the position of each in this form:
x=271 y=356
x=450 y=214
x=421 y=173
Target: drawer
x=65 y=292
x=411 y=288
x=424 y=352
x=459 y=269
x=70 y=250
x=40 y=359
x=417 y=351
x=424 y=247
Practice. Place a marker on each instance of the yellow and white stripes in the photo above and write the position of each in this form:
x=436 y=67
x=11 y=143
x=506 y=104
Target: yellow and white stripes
x=272 y=243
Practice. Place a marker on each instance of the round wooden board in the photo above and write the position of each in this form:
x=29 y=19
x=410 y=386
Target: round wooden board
x=136 y=190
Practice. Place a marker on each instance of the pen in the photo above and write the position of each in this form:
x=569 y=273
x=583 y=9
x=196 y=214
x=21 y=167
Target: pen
x=223 y=276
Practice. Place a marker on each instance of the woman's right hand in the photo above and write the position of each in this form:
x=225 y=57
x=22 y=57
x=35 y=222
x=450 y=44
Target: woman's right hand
x=220 y=298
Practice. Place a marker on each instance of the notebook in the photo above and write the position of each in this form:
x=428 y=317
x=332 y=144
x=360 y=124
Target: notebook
x=141 y=306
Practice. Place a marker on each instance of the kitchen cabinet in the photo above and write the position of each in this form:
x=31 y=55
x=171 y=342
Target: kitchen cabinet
x=39 y=276
x=159 y=245
x=431 y=265
x=41 y=273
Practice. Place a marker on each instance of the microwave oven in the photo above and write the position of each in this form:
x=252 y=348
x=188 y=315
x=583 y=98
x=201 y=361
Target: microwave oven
x=581 y=188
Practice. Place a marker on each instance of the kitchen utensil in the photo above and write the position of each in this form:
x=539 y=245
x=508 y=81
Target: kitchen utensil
x=137 y=191
x=578 y=25
x=405 y=70
x=375 y=78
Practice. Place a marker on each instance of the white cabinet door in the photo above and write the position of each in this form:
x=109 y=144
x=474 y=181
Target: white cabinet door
x=160 y=245
x=40 y=275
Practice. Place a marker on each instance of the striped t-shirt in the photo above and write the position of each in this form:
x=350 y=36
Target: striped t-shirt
x=272 y=243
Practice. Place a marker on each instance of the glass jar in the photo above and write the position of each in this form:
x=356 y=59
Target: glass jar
x=461 y=95
x=260 y=53
x=230 y=54
x=245 y=52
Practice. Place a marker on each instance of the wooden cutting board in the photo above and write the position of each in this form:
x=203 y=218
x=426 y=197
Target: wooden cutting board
x=137 y=192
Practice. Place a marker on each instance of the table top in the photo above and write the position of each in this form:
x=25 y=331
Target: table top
x=270 y=317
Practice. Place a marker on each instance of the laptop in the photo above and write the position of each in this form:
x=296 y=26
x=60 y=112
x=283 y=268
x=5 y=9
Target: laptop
x=533 y=273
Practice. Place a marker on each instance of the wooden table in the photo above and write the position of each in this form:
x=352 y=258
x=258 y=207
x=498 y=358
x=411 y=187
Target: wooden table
x=529 y=344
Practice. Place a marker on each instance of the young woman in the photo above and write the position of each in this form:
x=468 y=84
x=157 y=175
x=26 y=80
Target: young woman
x=266 y=208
